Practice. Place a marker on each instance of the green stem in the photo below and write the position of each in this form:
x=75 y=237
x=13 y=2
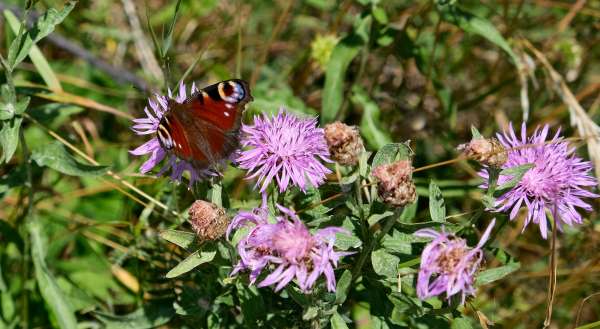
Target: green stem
x=374 y=242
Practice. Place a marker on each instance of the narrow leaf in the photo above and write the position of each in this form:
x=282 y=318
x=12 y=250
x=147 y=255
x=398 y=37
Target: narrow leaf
x=36 y=56
x=385 y=264
x=192 y=261
x=19 y=49
x=475 y=25
x=370 y=126
x=180 y=238
x=55 y=156
x=9 y=138
x=335 y=74
x=497 y=273
x=343 y=285
x=437 y=208
x=56 y=302
x=337 y=322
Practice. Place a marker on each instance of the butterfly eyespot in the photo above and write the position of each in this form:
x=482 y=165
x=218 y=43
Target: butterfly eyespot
x=231 y=92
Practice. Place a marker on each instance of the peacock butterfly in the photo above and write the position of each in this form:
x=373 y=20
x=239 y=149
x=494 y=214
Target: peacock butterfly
x=204 y=129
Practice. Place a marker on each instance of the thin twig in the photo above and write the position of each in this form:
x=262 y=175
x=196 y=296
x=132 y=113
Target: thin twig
x=552 y=276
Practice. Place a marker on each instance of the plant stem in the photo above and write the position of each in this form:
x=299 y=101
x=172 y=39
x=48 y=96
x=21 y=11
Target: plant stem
x=374 y=242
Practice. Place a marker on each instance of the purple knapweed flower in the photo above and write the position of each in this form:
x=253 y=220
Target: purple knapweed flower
x=149 y=126
x=448 y=265
x=286 y=148
x=287 y=248
x=556 y=183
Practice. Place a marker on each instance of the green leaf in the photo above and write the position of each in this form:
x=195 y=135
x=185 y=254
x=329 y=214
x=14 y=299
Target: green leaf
x=474 y=25
x=345 y=241
x=37 y=58
x=337 y=322
x=55 y=156
x=192 y=261
x=181 y=238
x=343 y=285
x=437 y=208
x=56 y=302
x=20 y=47
x=376 y=218
x=370 y=127
x=517 y=174
x=148 y=316
x=475 y=133
x=9 y=138
x=391 y=153
x=335 y=74
x=385 y=264
x=461 y=323
x=409 y=212
x=497 y=273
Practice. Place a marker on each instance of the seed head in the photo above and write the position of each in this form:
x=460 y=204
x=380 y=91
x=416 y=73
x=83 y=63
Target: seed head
x=395 y=185
x=344 y=142
x=208 y=220
x=487 y=151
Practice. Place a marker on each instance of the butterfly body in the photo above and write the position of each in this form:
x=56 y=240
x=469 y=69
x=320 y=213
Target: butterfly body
x=204 y=128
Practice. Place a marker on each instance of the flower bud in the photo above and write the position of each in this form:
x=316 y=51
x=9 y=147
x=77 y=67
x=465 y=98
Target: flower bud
x=395 y=185
x=488 y=151
x=208 y=220
x=344 y=142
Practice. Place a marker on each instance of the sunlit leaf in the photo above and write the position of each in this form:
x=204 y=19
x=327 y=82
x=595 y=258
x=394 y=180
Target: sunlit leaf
x=192 y=261
x=9 y=138
x=497 y=273
x=437 y=207
x=55 y=156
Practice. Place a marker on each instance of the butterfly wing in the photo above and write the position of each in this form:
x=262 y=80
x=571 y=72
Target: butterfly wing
x=204 y=129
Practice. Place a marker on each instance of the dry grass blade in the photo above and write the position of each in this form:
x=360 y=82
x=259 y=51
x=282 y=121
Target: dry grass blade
x=579 y=117
x=145 y=53
x=67 y=98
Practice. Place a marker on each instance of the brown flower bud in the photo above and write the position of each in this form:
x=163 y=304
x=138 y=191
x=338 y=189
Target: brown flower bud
x=208 y=220
x=344 y=142
x=395 y=185
x=488 y=151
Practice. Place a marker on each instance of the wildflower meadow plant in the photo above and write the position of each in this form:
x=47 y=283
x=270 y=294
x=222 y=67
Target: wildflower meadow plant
x=288 y=247
x=285 y=148
x=319 y=187
x=557 y=183
x=448 y=265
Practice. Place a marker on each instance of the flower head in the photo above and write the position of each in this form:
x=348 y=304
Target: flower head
x=287 y=245
x=208 y=220
x=556 y=183
x=448 y=265
x=286 y=148
x=395 y=185
x=149 y=126
x=344 y=142
x=488 y=151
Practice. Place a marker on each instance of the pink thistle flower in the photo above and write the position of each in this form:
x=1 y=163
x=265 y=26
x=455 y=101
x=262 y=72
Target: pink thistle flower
x=556 y=183
x=149 y=126
x=286 y=148
x=288 y=248
x=448 y=265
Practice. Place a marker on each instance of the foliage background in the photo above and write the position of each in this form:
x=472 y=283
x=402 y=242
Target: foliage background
x=87 y=245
